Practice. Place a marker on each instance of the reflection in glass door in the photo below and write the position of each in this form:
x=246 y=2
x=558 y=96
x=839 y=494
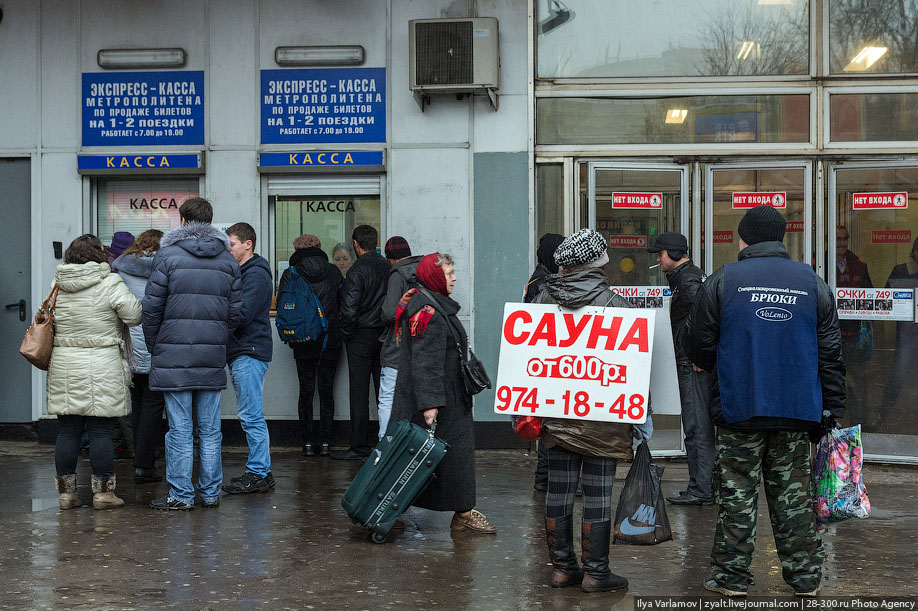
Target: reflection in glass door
x=731 y=189
x=873 y=213
x=630 y=204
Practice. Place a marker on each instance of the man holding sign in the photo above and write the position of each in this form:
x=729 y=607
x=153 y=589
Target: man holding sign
x=769 y=327
x=573 y=362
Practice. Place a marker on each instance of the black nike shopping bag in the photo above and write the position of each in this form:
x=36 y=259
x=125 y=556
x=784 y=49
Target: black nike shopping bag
x=641 y=515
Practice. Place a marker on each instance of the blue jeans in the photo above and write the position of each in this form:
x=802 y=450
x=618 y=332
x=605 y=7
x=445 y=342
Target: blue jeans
x=248 y=377
x=387 y=379
x=180 y=444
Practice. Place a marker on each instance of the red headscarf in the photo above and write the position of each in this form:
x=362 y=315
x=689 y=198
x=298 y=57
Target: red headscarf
x=432 y=274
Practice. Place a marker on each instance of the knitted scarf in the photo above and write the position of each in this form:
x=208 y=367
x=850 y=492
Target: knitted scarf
x=417 y=324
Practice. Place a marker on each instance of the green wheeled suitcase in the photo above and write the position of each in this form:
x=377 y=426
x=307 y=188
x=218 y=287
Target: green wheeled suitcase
x=393 y=476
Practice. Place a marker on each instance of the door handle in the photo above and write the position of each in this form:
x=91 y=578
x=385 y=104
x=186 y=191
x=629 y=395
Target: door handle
x=22 y=308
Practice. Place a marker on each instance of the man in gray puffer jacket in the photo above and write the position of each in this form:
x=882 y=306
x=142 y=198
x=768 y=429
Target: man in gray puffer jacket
x=193 y=301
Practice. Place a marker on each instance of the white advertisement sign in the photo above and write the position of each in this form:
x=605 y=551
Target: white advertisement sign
x=874 y=304
x=587 y=364
x=645 y=296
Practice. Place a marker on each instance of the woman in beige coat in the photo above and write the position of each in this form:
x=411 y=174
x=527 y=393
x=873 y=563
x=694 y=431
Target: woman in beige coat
x=88 y=383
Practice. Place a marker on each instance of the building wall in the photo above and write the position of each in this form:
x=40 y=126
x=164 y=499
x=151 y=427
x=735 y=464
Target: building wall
x=433 y=192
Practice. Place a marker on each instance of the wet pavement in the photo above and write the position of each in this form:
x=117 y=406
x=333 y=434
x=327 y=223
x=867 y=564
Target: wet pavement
x=294 y=548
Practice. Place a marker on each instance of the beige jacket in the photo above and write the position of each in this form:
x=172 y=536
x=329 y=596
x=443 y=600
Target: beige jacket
x=88 y=376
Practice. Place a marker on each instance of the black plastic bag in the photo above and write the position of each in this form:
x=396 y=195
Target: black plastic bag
x=641 y=515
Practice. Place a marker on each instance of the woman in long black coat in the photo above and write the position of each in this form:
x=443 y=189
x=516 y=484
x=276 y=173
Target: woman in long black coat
x=430 y=388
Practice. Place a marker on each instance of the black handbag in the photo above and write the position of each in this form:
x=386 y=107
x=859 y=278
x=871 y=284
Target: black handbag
x=473 y=371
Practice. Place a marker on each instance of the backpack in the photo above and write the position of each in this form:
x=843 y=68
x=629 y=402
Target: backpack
x=300 y=318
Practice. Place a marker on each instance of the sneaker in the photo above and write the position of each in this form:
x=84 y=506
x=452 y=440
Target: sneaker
x=540 y=486
x=167 y=503
x=307 y=450
x=807 y=593
x=712 y=586
x=210 y=504
x=323 y=450
x=689 y=499
x=270 y=479
x=249 y=482
x=475 y=521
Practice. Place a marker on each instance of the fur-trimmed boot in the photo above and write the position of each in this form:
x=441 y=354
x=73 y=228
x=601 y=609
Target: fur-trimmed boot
x=560 y=536
x=594 y=539
x=66 y=491
x=103 y=492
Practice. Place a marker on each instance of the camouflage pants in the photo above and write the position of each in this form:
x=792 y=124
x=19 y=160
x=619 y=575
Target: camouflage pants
x=742 y=460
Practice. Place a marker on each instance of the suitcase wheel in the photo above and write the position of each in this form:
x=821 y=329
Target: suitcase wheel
x=377 y=538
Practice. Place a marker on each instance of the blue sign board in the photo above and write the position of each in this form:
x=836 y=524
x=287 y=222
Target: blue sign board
x=321 y=159
x=323 y=105
x=134 y=162
x=143 y=108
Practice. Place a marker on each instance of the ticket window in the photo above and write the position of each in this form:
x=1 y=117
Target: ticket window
x=327 y=209
x=731 y=190
x=632 y=204
x=138 y=204
x=874 y=218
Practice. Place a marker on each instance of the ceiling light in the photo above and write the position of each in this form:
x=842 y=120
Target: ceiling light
x=866 y=58
x=676 y=115
x=332 y=55
x=141 y=58
x=765 y=2
x=746 y=47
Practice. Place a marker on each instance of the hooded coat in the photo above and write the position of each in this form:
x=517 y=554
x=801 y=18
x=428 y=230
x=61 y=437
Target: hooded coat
x=401 y=278
x=192 y=303
x=325 y=281
x=135 y=271
x=88 y=376
x=252 y=337
x=573 y=290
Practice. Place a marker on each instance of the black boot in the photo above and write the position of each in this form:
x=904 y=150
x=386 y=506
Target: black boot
x=597 y=577
x=560 y=536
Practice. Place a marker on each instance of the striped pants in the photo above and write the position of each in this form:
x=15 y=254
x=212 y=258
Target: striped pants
x=564 y=471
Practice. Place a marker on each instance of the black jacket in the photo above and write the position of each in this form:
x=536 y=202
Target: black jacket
x=401 y=278
x=325 y=281
x=685 y=281
x=193 y=301
x=253 y=335
x=363 y=292
x=702 y=333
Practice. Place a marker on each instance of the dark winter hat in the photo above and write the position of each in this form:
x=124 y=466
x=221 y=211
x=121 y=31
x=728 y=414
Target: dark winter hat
x=397 y=248
x=669 y=241
x=762 y=224
x=581 y=248
x=545 y=253
x=121 y=241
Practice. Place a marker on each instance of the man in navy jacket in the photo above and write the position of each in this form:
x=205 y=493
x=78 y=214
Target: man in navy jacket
x=767 y=327
x=192 y=303
x=248 y=354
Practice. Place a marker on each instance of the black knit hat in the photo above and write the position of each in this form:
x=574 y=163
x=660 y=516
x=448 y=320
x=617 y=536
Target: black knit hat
x=670 y=241
x=397 y=248
x=762 y=224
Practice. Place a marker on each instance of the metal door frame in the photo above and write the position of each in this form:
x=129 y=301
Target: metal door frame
x=808 y=203
x=634 y=165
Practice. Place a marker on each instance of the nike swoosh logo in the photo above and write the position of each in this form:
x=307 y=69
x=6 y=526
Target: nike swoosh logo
x=627 y=528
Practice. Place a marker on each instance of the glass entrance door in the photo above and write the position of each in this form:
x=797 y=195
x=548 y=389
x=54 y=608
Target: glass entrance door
x=731 y=189
x=873 y=214
x=630 y=204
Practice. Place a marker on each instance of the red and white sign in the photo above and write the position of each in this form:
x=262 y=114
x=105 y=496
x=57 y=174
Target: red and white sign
x=880 y=201
x=723 y=237
x=587 y=364
x=627 y=241
x=637 y=201
x=874 y=304
x=751 y=200
x=794 y=227
x=900 y=236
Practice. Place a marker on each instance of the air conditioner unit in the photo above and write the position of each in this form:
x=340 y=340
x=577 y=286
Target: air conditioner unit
x=454 y=56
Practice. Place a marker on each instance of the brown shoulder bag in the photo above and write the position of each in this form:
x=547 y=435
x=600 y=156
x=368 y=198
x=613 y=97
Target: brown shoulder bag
x=39 y=338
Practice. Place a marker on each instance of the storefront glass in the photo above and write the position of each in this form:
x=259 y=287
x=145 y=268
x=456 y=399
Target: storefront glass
x=867 y=37
x=549 y=216
x=331 y=218
x=879 y=117
x=140 y=204
x=875 y=244
x=732 y=191
x=710 y=119
x=672 y=38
